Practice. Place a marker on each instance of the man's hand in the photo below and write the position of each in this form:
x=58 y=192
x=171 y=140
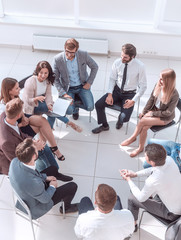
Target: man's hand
x=127 y=174
x=128 y=103
x=86 y=86
x=54 y=183
x=109 y=99
x=51 y=178
x=39 y=144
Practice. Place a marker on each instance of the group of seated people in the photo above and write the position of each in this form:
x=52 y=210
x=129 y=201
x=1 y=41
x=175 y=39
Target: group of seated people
x=31 y=164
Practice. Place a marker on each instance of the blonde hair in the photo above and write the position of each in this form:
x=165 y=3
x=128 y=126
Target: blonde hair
x=169 y=79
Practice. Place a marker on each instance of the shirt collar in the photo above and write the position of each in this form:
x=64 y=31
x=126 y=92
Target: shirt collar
x=32 y=167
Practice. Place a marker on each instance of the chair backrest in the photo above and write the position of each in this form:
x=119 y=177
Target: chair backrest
x=22 y=82
x=23 y=204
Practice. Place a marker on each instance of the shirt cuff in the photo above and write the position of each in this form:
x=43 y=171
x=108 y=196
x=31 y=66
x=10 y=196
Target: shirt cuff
x=52 y=186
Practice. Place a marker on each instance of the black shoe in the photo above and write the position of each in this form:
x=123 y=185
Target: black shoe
x=73 y=208
x=136 y=228
x=63 y=178
x=75 y=116
x=100 y=129
x=119 y=123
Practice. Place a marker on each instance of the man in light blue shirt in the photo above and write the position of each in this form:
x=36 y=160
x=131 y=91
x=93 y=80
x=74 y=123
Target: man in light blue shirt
x=71 y=77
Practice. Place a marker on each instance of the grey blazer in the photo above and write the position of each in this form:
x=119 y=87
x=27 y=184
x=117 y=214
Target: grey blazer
x=62 y=81
x=30 y=186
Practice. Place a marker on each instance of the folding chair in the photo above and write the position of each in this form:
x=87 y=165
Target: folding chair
x=156 y=129
x=162 y=220
x=27 y=215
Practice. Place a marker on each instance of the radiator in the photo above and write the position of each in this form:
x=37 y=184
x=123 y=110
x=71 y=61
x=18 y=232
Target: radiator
x=56 y=43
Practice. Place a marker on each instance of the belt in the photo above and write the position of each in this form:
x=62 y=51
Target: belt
x=76 y=87
x=131 y=91
x=126 y=92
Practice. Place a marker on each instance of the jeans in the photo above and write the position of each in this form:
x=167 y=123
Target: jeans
x=172 y=148
x=42 y=108
x=45 y=159
x=86 y=98
x=86 y=205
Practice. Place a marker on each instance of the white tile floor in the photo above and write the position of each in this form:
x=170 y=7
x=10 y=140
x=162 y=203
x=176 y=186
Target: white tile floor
x=90 y=159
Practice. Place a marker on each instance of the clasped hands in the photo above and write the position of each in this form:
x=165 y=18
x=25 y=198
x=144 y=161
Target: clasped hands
x=127 y=174
x=52 y=180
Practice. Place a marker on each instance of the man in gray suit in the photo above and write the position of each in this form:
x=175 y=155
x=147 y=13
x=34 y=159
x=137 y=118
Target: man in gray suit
x=38 y=190
x=71 y=77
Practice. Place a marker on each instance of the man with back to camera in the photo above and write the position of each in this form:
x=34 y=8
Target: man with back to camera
x=161 y=193
x=11 y=136
x=127 y=75
x=71 y=77
x=39 y=190
x=108 y=221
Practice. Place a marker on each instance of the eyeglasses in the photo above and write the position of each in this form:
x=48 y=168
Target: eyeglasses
x=71 y=53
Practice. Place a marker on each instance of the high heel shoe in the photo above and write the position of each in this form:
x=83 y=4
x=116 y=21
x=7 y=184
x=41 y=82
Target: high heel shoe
x=54 y=149
x=74 y=126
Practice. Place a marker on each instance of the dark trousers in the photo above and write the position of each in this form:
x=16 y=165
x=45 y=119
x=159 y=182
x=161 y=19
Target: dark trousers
x=100 y=105
x=86 y=205
x=65 y=192
x=154 y=206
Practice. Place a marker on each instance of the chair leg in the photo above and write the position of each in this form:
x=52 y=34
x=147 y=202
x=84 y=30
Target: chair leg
x=178 y=128
x=141 y=219
x=63 y=208
x=33 y=229
x=127 y=124
x=90 y=116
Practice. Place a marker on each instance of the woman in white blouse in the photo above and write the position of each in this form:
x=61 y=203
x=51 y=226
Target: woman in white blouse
x=37 y=95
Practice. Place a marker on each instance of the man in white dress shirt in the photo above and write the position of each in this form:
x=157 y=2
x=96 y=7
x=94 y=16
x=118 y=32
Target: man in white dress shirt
x=126 y=84
x=107 y=221
x=164 y=181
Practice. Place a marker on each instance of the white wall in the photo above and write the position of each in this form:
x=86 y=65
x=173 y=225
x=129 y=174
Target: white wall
x=101 y=20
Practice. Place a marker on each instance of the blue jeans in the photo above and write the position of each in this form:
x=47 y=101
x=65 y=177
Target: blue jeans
x=172 y=148
x=86 y=97
x=45 y=159
x=42 y=108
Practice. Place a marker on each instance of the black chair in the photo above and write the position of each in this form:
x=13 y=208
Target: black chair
x=156 y=129
x=22 y=82
x=117 y=107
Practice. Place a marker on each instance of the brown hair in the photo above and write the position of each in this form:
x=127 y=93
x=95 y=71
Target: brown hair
x=156 y=153
x=6 y=86
x=13 y=108
x=105 y=197
x=169 y=79
x=129 y=49
x=71 y=44
x=45 y=64
x=25 y=150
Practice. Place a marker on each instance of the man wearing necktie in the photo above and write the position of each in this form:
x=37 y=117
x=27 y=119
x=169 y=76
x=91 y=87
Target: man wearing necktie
x=127 y=84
